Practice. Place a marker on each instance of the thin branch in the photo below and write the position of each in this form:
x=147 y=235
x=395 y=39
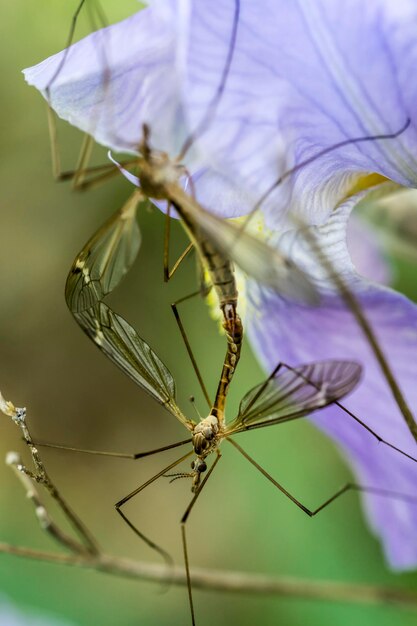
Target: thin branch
x=40 y=475
x=45 y=521
x=209 y=580
x=230 y=581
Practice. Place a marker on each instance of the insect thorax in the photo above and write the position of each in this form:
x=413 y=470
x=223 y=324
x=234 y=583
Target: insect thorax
x=156 y=171
x=205 y=435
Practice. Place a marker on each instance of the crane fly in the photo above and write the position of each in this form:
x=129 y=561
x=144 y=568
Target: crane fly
x=159 y=176
x=114 y=247
x=108 y=256
x=288 y=394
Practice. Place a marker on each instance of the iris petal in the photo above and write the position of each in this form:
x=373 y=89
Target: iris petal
x=111 y=82
x=282 y=330
x=302 y=76
x=367 y=252
x=309 y=73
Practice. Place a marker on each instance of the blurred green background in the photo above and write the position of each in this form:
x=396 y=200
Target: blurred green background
x=76 y=397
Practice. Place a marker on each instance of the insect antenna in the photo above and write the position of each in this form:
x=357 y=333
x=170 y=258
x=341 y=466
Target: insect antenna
x=194 y=405
x=175 y=477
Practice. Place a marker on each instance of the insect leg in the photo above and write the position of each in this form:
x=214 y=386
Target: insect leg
x=346 y=488
x=119 y=455
x=69 y=42
x=133 y=493
x=169 y=273
x=373 y=432
x=209 y=114
x=184 y=537
x=87 y=143
x=360 y=422
x=97 y=174
x=77 y=176
x=81 y=169
x=188 y=346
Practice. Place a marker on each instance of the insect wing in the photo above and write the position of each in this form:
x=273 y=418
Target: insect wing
x=121 y=343
x=259 y=260
x=294 y=392
x=105 y=259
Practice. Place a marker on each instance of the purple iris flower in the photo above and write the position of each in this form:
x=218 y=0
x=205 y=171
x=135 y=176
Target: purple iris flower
x=304 y=75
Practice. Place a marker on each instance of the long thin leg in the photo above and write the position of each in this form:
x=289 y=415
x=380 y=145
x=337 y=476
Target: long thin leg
x=119 y=455
x=358 y=421
x=168 y=274
x=188 y=346
x=97 y=174
x=210 y=112
x=100 y=14
x=108 y=171
x=296 y=416
x=347 y=487
x=68 y=44
x=167 y=237
x=373 y=433
x=184 y=537
x=180 y=259
x=83 y=161
x=84 y=157
x=133 y=493
x=53 y=144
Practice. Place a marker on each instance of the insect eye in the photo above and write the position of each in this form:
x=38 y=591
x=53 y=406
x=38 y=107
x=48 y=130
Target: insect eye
x=202 y=467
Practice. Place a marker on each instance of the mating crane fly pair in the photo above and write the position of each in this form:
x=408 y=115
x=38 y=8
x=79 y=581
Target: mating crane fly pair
x=287 y=394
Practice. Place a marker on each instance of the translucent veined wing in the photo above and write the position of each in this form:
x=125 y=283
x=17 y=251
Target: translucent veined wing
x=290 y=393
x=121 y=343
x=259 y=260
x=105 y=259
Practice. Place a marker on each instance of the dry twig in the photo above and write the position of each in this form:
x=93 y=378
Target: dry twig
x=84 y=552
